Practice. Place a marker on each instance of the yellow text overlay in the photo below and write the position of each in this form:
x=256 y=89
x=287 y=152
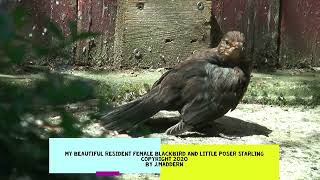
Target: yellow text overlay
x=225 y=162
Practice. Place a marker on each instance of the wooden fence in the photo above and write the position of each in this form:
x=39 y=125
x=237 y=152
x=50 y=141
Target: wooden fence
x=160 y=33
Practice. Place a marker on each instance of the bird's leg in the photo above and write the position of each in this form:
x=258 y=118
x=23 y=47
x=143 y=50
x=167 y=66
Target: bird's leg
x=179 y=128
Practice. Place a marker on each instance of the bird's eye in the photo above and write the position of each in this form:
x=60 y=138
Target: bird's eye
x=228 y=42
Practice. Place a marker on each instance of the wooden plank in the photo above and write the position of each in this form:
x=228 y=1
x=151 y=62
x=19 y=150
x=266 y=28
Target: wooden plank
x=38 y=10
x=62 y=12
x=154 y=33
x=258 y=20
x=83 y=24
x=300 y=37
x=236 y=15
x=266 y=33
x=231 y=15
x=103 y=20
x=59 y=11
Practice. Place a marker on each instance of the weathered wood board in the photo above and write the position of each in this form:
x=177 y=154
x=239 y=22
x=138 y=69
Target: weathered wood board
x=160 y=33
x=104 y=14
x=83 y=24
x=235 y=15
x=258 y=20
x=37 y=11
x=91 y=15
x=60 y=11
x=300 y=33
x=96 y=16
x=266 y=32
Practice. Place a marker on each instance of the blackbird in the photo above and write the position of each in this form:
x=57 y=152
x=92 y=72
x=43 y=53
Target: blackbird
x=204 y=87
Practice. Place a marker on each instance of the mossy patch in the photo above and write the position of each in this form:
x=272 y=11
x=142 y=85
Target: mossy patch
x=284 y=88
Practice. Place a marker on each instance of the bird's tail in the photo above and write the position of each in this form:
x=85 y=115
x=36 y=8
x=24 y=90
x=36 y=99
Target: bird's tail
x=127 y=116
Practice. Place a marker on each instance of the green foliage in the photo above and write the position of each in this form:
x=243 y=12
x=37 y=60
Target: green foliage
x=23 y=135
x=63 y=41
x=14 y=47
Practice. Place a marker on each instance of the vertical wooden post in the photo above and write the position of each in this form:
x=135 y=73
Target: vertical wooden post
x=258 y=20
x=300 y=33
x=266 y=33
x=62 y=12
x=236 y=15
x=83 y=24
x=96 y=16
x=103 y=16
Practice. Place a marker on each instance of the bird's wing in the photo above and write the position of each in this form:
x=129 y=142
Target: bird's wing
x=221 y=91
x=229 y=84
x=190 y=64
x=161 y=78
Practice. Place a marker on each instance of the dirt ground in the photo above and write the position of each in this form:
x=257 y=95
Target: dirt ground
x=295 y=125
x=295 y=129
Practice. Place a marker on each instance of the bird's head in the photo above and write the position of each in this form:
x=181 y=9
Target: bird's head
x=231 y=46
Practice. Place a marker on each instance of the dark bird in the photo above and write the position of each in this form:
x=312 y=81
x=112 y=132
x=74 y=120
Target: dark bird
x=204 y=87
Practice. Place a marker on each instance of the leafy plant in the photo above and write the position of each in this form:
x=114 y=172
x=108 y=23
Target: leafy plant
x=23 y=137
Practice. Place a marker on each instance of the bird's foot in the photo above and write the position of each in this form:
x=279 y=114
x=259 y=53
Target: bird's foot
x=227 y=137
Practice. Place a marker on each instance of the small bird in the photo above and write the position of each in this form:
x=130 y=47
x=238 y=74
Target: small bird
x=202 y=88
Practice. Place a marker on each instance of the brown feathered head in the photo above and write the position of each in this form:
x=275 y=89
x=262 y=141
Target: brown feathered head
x=231 y=46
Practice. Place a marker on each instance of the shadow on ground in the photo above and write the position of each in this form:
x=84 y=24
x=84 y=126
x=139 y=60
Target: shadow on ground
x=226 y=125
